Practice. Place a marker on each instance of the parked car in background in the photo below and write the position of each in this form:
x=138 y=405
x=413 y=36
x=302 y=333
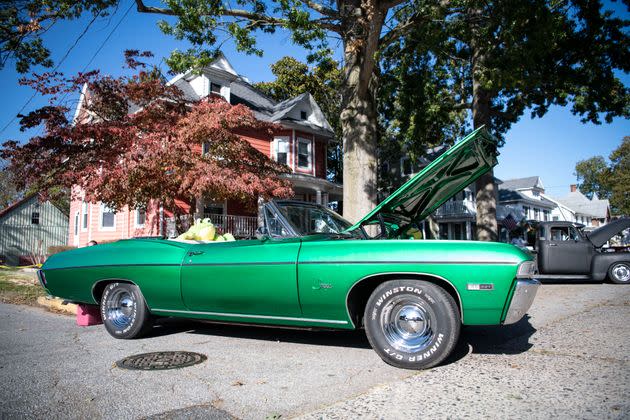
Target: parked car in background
x=565 y=251
x=311 y=268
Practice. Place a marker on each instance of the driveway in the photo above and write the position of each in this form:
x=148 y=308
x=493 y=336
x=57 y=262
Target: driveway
x=570 y=357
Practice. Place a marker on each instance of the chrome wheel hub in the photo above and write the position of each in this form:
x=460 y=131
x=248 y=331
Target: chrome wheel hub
x=120 y=309
x=407 y=325
x=621 y=272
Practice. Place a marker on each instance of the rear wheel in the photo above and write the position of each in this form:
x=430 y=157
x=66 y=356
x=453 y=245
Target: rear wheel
x=619 y=273
x=412 y=324
x=124 y=312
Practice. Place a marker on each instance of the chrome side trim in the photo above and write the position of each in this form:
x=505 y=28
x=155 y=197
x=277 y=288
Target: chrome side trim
x=415 y=273
x=522 y=299
x=248 y=316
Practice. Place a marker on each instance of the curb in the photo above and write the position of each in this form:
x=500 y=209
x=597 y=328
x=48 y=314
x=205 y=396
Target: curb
x=54 y=304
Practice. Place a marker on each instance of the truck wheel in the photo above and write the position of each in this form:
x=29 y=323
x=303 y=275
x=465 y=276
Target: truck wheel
x=124 y=312
x=412 y=324
x=619 y=273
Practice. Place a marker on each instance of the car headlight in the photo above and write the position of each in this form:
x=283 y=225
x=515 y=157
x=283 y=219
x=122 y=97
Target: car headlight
x=526 y=269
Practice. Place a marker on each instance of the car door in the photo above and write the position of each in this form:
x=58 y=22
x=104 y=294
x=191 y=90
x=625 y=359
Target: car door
x=567 y=252
x=252 y=277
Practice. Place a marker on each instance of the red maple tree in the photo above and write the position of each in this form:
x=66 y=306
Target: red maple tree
x=138 y=139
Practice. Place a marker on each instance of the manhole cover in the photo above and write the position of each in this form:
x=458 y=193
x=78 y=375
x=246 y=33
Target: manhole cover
x=161 y=360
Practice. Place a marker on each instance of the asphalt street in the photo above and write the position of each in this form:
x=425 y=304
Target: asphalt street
x=569 y=358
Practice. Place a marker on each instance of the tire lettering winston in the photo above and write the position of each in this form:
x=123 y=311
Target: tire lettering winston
x=390 y=292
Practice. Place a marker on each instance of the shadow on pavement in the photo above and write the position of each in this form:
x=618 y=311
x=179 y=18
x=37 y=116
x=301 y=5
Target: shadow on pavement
x=342 y=338
x=491 y=339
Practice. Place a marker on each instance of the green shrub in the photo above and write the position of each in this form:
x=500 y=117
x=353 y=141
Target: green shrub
x=56 y=249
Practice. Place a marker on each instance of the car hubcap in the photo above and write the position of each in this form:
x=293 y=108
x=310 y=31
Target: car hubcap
x=407 y=325
x=120 y=309
x=621 y=272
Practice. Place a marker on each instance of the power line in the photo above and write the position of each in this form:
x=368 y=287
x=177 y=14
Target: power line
x=87 y=27
x=98 y=50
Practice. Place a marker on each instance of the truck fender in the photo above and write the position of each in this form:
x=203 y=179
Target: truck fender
x=602 y=261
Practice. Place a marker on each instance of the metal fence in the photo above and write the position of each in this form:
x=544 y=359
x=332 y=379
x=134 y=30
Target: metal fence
x=239 y=226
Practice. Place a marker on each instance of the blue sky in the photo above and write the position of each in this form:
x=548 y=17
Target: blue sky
x=548 y=147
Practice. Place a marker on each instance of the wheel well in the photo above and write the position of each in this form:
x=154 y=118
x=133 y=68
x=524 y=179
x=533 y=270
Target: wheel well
x=99 y=287
x=362 y=290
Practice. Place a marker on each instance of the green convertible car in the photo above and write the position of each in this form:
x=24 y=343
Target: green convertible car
x=311 y=268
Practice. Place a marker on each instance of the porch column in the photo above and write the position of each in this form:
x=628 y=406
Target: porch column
x=318 y=197
x=261 y=217
x=468 y=231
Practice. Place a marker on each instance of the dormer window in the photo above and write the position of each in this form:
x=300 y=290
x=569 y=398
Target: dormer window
x=303 y=115
x=215 y=88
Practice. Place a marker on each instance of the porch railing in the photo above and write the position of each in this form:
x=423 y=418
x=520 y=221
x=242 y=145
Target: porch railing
x=453 y=209
x=239 y=226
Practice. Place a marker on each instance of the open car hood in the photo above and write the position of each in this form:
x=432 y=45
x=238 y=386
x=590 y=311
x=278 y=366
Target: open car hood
x=450 y=173
x=600 y=236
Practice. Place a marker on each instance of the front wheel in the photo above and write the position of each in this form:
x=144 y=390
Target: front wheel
x=619 y=273
x=412 y=324
x=124 y=312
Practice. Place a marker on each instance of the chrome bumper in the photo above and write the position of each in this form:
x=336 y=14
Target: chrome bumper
x=522 y=300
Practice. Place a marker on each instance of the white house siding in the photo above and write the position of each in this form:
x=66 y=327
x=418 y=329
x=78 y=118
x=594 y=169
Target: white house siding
x=19 y=236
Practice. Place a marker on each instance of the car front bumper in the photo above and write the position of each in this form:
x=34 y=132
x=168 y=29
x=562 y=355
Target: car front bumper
x=522 y=300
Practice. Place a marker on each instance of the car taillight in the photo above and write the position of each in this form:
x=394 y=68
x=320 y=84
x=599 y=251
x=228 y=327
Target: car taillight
x=42 y=278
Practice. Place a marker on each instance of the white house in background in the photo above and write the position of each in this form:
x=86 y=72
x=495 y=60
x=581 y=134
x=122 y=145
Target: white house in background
x=589 y=212
x=524 y=198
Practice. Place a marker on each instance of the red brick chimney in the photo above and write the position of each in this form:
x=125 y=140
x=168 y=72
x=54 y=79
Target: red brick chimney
x=573 y=187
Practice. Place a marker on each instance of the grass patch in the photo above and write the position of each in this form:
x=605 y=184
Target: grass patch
x=19 y=287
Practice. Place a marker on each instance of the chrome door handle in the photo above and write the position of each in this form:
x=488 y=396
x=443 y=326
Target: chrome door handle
x=553 y=244
x=192 y=253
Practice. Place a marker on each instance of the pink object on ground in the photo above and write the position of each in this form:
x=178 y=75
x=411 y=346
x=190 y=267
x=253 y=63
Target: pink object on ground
x=88 y=315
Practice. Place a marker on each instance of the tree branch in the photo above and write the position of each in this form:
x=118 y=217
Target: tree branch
x=319 y=8
x=399 y=30
x=386 y=5
x=259 y=18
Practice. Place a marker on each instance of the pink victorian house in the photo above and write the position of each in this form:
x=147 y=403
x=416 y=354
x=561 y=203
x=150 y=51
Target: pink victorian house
x=301 y=144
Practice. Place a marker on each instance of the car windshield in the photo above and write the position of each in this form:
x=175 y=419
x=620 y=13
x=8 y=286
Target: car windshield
x=308 y=219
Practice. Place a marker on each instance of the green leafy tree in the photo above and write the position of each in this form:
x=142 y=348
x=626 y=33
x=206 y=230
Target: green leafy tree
x=323 y=81
x=364 y=27
x=495 y=61
x=22 y=22
x=593 y=176
x=620 y=179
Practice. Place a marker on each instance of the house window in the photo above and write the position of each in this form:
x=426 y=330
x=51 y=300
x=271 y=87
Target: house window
x=282 y=150
x=536 y=214
x=215 y=88
x=76 y=223
x=303 y=115
x=108 y=218
x=35 y=218
x=141 y=217
x=305 y=151
x=205 y=148
x=526 y=212
x=405 y=166
x=84 y=216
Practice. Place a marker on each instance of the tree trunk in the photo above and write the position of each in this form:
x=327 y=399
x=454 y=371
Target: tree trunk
x=486 y=197
x=363 y=22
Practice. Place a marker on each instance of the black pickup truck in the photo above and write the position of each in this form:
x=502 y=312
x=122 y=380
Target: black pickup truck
x=565 y=251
